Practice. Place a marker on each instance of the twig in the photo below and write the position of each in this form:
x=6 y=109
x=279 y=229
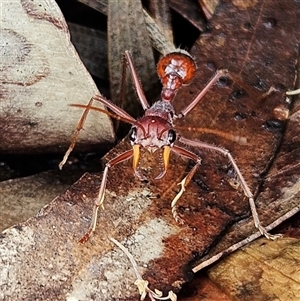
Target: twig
x=142 y=284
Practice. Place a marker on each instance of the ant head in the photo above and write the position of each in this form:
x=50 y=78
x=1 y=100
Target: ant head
x=152 y=133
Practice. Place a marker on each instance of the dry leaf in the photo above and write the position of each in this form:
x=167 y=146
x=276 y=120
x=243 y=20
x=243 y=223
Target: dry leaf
x=41 y=74
x=265 y=270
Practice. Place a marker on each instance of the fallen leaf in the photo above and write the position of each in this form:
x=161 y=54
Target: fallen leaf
x=41 y=74
x=23 y=197
x=265 y=270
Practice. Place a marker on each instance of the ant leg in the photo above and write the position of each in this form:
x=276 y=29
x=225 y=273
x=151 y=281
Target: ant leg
x=185 y=153
x=124 y=115
x=119 y=115
x=191 y=106
x=214 y=79
x=100 y=198
x=136 y=82
x=183 y=184
x=245 y=187
x=76 y=134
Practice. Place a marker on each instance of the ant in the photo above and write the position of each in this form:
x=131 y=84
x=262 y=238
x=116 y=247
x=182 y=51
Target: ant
x=155 y=130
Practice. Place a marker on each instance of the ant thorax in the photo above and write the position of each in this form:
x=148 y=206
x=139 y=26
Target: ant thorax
x=162 y=109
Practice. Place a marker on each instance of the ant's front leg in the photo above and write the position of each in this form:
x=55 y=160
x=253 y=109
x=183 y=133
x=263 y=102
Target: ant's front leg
x=184 y=153
x=100 y=198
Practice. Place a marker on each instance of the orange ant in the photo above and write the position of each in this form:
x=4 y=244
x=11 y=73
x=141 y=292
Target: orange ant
x=155 y=130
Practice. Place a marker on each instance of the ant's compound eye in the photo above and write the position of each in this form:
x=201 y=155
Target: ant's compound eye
x=171 y=136
x=132 y=134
